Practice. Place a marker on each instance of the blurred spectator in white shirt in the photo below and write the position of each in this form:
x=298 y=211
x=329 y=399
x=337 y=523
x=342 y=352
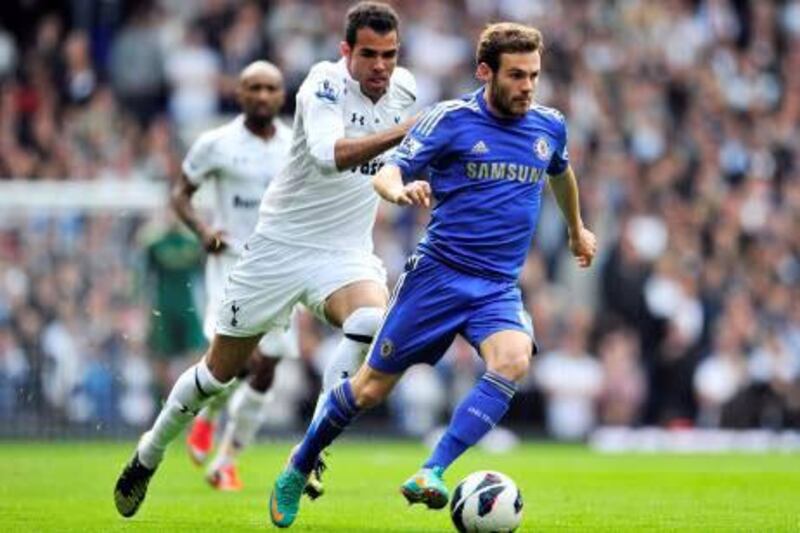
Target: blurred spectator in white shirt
x=720 y=376
x=571 y=380
x=193 y=71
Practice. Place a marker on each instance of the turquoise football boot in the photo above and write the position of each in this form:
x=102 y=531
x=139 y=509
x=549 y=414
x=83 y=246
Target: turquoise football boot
x=284 y=502
x=427 y=486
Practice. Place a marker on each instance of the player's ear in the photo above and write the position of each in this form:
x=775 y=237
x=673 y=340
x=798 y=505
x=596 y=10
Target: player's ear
x=483 y=72
x=344 y=49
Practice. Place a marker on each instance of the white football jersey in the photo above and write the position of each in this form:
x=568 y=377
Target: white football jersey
x=239 y=165
x=310 y=202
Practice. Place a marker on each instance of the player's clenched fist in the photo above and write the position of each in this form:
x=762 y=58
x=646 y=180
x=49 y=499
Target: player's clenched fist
x=415 y=193
x=583 y=245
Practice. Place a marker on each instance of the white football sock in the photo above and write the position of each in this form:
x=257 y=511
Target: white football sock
x=193 y=389
x=358 y=329
x=244 y=420
x=213 y=408
x=343 y=364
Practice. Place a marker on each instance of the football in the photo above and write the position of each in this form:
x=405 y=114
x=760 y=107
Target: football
x=486 y=501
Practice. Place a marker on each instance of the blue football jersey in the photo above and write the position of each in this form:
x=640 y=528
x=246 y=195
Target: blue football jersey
x=487 y=176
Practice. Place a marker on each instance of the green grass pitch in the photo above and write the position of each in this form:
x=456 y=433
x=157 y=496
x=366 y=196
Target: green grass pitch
x=68 y=486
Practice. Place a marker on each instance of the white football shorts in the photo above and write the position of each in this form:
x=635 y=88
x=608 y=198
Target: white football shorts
x=278 y=342
x=272 y=277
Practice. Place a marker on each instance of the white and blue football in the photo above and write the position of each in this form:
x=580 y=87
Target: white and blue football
x=486 y=502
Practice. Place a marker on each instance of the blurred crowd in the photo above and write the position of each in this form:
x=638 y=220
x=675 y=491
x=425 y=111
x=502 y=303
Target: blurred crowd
x=684 y=130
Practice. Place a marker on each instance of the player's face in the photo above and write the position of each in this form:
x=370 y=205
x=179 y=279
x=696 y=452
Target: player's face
x=371 y=60
x=261 y=95
x=512 y=87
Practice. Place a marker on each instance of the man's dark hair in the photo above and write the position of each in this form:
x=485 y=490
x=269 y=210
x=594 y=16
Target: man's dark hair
x=506 y=38
x=379 y=17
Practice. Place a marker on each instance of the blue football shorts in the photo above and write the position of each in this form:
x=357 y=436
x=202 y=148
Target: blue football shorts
x=432 y=303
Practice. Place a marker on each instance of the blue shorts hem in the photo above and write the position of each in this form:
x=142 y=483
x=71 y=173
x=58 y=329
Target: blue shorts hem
x=383 y=366
x=477 y=343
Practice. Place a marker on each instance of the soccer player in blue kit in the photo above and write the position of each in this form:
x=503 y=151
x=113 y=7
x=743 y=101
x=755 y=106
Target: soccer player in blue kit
x=487 y=156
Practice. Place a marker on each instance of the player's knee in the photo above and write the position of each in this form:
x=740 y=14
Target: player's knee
x=227 y=356
x=512 y=365
x=362 y=324
x=221 y=368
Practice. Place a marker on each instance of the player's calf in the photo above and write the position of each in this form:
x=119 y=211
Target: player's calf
x=371 y=387
x=475 y=416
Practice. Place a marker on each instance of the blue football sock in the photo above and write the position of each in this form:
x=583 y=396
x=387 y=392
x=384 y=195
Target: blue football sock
x=339 y=410
x=479 y=412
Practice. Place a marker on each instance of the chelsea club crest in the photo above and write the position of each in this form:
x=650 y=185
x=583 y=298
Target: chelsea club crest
x=541 y=148
x=387 y=348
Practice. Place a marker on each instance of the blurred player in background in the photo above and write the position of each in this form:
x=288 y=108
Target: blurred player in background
x=173 y=260
x=239 y=160
x=313 y=242
x=488 y=156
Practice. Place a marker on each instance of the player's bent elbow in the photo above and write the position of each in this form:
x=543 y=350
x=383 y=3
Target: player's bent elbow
x=513 y=366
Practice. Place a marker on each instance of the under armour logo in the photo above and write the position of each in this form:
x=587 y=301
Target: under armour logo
x=357 y=118
x=345 y=374
x=234 y=310
x=397 y=119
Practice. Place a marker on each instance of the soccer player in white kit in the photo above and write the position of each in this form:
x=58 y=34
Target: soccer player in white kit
x=313 y=241
x=238 y=160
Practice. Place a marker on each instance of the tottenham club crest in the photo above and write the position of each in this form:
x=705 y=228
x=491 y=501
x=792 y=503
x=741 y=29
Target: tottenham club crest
x=542 y=149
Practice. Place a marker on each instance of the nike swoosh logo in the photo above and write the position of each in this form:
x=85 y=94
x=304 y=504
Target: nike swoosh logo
x=276 y=515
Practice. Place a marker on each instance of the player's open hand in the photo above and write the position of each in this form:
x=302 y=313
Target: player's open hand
x=215 y=242
x=415 y=193
x=583 y=245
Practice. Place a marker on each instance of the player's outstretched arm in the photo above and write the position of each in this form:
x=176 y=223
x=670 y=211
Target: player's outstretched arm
x=388 y=183
x=353 y=152
x=181 y=202
x=582 y=242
